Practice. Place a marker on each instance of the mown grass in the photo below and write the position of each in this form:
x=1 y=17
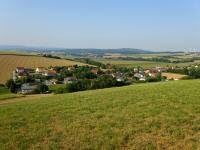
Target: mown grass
x=145 y=116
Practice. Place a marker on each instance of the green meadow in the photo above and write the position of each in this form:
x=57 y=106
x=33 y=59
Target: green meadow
x=163 y=115
x=5 y=94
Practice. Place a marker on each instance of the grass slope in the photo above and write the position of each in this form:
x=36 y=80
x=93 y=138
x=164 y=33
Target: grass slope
x=146 y=116
x=9 y=62
x=5 y=94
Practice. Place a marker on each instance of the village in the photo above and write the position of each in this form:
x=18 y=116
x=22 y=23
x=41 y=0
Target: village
x=27 y=79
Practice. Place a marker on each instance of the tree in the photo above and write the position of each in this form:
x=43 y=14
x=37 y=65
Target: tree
x=9 y=83
x=42 y=88
x=13 y=88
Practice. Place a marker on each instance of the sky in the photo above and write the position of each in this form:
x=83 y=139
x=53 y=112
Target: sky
x=158 y=25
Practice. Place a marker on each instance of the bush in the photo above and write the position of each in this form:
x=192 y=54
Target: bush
x=9 y=83
x=2 y=85
x=42 y=88
x=60 y=90
x=13 y=88
x=187 y=78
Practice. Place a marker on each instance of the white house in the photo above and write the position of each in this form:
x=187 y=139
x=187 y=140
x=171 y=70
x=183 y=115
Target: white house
x=40 y=69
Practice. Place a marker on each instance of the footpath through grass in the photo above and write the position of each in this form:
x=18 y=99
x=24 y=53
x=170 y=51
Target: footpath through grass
x=146 y=116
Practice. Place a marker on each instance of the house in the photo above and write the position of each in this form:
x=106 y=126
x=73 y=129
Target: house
x=151 y=70
x=71 y=68
x=94 y=71
x=139 y=76
x=50 y=82
x=120 y=79
x=26 y=88
x=22 y=75
x=50 y=73
x=69 y=80
x=40 y=70
x=135 y=70
x=118 y=74
x=20 y=70
x=162 y=69
x=109 y=66
x=153 y=75
x=54 y=81
x=29 y=70
x=14 y=76
x=37 y=80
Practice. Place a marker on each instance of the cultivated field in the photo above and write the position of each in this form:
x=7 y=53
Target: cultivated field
x=8 y=62
x=127 y=63
x=144 y=64
x=144 y=116
x=173 y=75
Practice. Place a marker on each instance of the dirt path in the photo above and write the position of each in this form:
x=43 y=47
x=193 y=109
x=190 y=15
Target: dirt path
x=27 y=97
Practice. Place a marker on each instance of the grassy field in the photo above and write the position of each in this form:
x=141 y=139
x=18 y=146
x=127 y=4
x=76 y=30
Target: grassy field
x=144 y=64
x=144 y=116
x=127 y=63
x=55 y=87
x=9 y=62
x=5 y=94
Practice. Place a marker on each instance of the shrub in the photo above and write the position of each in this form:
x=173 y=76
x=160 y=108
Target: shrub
x=60 y=90
x=2 y=85
x=42 y=88
x=9 y=83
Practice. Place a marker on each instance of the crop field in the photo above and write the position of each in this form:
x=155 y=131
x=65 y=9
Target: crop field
x=173 y=75
x=163 y=115
x=127 y=63
x=8 y=62
x=144 y=64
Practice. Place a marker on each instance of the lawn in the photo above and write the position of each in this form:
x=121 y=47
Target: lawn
x=55 y=87
x=163 y=115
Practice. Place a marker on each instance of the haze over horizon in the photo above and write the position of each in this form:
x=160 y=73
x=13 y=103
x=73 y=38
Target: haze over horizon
x=150 y=25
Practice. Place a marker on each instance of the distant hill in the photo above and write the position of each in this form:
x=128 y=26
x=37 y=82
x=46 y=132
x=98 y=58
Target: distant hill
x=26 y=48
x=75 y=50
x=103 y=51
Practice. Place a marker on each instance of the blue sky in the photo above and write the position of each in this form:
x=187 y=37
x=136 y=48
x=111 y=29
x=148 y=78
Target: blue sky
x=146 y=24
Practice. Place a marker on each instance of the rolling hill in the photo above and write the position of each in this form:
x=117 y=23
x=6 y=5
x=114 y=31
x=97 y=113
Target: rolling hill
x=75 y=51
x=9 y=62
x=144 y=116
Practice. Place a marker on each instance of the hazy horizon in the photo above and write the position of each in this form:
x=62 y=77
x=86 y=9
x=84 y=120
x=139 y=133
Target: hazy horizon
x=149 y=25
